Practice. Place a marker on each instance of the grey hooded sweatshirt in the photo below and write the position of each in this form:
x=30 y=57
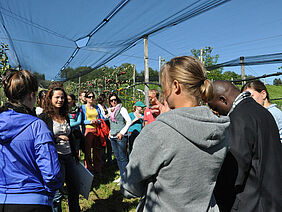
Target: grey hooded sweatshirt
x=176 y=159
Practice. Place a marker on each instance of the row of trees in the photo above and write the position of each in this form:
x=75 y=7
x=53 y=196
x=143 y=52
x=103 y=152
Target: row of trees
x=122 y=76
x=4 y=65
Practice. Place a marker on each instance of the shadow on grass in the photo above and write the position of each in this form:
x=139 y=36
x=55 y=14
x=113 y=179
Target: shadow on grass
x=114 y=200
x=109 y=174
x=113 y=203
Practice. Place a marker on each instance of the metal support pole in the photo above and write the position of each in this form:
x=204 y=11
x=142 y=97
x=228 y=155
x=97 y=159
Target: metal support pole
x=242 y=70
x=146 y=69
x=160 y=66
x=79 y=78
x=133 y=77
x=201 y=56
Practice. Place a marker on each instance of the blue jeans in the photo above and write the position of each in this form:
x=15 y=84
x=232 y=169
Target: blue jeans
x=119 y=149
x=67 y=167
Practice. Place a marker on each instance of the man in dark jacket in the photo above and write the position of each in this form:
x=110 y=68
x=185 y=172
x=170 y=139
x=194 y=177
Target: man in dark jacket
x=251 y=175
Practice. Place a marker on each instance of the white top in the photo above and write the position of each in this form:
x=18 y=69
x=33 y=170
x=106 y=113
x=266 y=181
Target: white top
x=62 y=146
x=127 y=118
x=38 y=111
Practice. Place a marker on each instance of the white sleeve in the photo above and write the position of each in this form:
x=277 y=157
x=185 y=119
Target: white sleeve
x=127 y=118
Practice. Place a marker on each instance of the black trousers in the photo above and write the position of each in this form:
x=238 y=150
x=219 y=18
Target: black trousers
x=131 y=140
x=24 y=208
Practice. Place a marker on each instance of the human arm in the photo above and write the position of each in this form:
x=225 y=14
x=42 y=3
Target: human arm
x=135 y=118
x=86 y=121
x=76 y=122
x=242 y=140
x=127 y=118
x=145 y=161
x=160 y=108
x=83 y=113
x=47 y=158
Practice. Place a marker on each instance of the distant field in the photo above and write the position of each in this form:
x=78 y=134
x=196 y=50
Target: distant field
x=275 y=92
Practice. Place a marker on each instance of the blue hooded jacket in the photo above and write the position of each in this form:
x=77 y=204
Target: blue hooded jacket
x=29 y=166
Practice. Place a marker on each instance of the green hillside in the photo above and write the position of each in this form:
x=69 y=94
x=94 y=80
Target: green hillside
x=275 y=92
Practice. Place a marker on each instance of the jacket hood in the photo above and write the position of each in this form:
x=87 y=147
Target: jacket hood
x=198 y=124
x=12 y=123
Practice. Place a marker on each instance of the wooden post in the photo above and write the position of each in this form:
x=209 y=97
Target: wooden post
x=201 y=56
x=146 y=69
x=242 y=70
x=105 y=84
x=133 y=77
x=160 y=66
x=79 y=78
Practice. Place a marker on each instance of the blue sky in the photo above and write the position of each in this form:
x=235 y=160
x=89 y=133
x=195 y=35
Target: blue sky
x=236 y=28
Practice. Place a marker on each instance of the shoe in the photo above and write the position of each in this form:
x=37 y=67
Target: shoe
x=117 y=180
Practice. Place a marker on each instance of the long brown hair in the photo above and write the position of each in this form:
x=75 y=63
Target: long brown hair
x=49 y=108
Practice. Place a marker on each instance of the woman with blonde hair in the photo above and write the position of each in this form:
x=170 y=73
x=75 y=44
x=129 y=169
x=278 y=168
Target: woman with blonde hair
x=176 y=159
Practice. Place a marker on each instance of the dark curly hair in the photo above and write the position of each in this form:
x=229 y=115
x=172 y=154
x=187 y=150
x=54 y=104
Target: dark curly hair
x=48 y=107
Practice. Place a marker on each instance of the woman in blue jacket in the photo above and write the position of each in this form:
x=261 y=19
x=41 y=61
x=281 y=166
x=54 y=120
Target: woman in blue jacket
x=29 y=166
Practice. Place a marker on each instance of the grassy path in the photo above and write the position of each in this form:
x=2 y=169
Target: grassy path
x=105 y=195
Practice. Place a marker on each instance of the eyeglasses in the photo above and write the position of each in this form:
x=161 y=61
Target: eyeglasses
x=90 y=97
x=111 y=100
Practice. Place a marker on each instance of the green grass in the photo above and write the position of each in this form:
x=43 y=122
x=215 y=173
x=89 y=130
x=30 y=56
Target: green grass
x=105 y=195
x=275 y=92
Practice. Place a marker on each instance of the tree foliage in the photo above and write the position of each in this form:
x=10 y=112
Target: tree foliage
x=108 y=77
x=153 y=75
x=4 y=65
x=4 y=62
x=208 y=60
x=277 y=81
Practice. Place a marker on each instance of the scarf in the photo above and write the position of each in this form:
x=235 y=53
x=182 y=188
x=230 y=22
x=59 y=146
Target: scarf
x=115 y=113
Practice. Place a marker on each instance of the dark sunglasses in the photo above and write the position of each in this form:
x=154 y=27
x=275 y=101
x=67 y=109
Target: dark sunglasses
x=90 y=97
x=111 y=100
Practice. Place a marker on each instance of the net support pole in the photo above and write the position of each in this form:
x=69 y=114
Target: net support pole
x=160 y=67
x=79 y=86
x=146 y=69
x=133 y=77
x=242 y=70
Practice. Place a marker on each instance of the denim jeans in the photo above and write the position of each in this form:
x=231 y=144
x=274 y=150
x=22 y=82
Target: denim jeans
x=67 y=167
x=119 y=149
